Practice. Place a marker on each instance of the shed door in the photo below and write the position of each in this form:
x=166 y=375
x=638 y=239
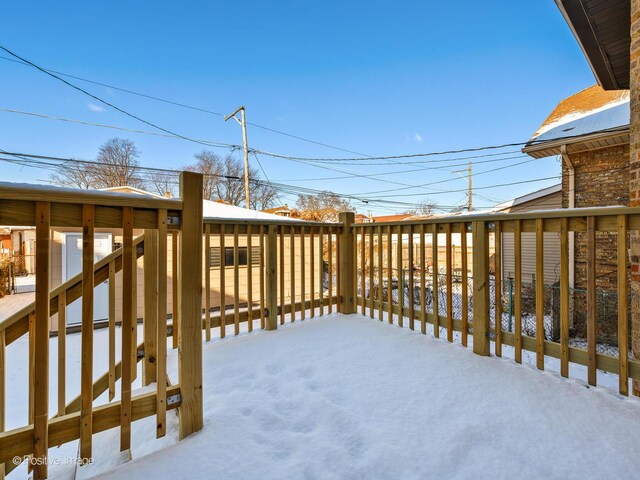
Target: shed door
x=73 y=265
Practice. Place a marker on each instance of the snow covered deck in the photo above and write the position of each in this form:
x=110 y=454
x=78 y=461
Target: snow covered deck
x=351 y=397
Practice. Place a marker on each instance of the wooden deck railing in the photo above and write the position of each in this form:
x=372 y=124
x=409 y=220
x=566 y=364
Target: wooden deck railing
x=48 y=209
x=384 y=250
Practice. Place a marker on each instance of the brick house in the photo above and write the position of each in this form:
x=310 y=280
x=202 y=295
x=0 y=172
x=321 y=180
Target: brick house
x=589 y=132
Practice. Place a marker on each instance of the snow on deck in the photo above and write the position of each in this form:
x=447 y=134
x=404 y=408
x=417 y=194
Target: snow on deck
x=351 y=397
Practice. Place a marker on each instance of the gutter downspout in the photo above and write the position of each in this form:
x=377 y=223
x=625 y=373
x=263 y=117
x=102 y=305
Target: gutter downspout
x=572 y=204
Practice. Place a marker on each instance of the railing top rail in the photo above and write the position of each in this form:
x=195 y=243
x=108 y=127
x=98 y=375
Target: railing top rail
x=262 y=221
x=34 y=193
x=494 y=217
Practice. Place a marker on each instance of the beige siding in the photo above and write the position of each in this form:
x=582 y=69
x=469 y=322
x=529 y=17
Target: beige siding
x=551 y=244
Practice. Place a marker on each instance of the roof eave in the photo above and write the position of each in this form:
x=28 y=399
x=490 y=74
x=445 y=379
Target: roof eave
x=582 y=143
x=576 y=17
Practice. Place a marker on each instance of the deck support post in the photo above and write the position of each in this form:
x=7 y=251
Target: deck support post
x=271 y=267
x=150 y=318
x=481 y=287
x=346 y=267
x=190 y=305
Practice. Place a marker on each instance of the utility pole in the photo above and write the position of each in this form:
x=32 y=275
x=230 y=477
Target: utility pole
x=469 y=171
x=243 y=124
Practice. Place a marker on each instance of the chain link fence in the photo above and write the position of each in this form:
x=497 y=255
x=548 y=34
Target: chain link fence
x=606 y=305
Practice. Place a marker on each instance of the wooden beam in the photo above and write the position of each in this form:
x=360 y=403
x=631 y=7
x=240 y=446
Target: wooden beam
x=423 y=273
x=150 y=319
x=190 y=306
x=623 y=308
x=41 y=341
x=207 y=280
x=262 y=278
x=497 y=287
x=62 y=352
x=449 y=280
x=86 y=376
x=175 y=316
x=161 y=331
x=434 y=287
x=564 y=298
x=591 y=300
x=540 y=293
x=272 y=278
x=223 y=286
x=127 y=327
x=465 y=285
x=517 y=301
x=346 y=264
x=481 y=325
x=410 y=272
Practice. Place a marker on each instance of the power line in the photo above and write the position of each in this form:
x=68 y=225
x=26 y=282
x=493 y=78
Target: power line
x=75 y=87
x=182 y=105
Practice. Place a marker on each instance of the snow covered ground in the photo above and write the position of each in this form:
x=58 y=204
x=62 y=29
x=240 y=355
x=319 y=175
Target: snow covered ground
x=350 y=397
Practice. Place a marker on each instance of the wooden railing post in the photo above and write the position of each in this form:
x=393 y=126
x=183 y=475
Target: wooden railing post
x=41 y=341
x=190 y=305
x=481 y=342
x=271 y=267
x=346 y=267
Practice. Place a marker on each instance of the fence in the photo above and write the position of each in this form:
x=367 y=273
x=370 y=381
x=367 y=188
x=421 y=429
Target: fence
x=590 y=327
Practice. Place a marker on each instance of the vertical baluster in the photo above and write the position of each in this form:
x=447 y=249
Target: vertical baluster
x=249 y=279
x=150 y=319
x=623 y=309
x=338 y=280
x=400 y=277
x=591 y=301
x=564 y=297
x=270 y=254
x=321 y=269
x=312 y=272
x=86 y=383
x=330 y=244
x=303 y=289
x=389 y=274
x=497 y=286
x=423 y=263
x=161 y=331
x=540 y=293
x=128 y=259
x=262 y=278
x=436 y=296
x=380 y=275
x=223 y=282
x=371 y=271
x=465 y=284
x=292 y=276
x=174 y=289
x=449 y=279
x=236 y=282
x=62 y=352
x=410 y=270
x=517 y=300
x=363 y=267
x=282 y=275
x=134 y=307
x=112 y=330
x=207 y=281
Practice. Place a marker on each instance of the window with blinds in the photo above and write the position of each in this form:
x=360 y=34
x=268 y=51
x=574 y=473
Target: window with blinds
x=229 y=258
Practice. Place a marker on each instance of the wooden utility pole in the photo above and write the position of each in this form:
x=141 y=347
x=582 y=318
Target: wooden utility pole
x=469 y=171
x=243 y=124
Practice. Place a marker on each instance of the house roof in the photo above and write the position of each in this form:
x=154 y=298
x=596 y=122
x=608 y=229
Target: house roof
x=592 y=118
x=543 y=192
x=281 y=208
x=602 y=29
x=392 y=218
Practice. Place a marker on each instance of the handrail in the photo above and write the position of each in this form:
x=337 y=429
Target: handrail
x=34 y=193
x=73 y=282
x=262 y=221
x=496 y=217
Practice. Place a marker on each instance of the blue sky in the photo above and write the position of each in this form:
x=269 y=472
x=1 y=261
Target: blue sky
x=379 y=78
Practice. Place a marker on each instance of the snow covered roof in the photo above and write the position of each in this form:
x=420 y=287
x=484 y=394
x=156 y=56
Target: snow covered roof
x=212 y=210
x=543 y=192
x=589 y=112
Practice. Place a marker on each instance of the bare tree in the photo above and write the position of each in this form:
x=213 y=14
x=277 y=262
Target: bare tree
x=73 y=174
x=424 y=208
x=223 y=179
x=116 y=165
x=163 y=183
x=323 y=207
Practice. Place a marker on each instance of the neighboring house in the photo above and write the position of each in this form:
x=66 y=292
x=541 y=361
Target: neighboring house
x=282 y=211
x=549 y=198
x=391 y=218
x=66 y=260
x=362 y=218
x=590 y=132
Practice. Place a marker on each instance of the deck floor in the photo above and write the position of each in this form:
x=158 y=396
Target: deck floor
x=351 y=397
